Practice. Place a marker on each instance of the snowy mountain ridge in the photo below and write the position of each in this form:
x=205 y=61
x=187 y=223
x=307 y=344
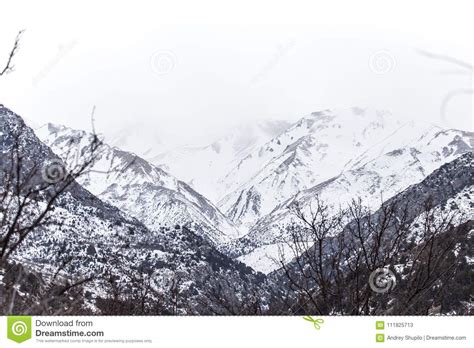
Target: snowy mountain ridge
x=103 y=241
x=313 y=150
x=373 y=180
x=332 y=155
x=144 y=191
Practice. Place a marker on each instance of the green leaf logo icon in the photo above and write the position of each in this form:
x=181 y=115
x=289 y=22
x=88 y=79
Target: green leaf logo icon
x=19 y=328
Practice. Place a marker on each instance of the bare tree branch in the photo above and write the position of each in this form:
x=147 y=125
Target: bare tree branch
x=9 y=67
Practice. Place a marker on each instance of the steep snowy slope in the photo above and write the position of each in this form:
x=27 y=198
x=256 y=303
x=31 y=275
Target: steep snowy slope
x=449 y=188
x=78 y=219
x=211 y=163
x=434 y=235
x=315 y=149
x=373 y=181
x=146 y=192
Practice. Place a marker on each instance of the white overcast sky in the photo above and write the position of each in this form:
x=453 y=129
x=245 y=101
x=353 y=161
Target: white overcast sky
x=193 y=68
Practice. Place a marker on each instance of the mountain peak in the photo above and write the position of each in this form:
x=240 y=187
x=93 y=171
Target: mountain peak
x=141 y=189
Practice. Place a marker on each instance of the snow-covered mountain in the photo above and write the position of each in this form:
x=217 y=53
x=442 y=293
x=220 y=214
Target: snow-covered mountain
x=404 y=158
x=77 y=220
x=204 y=168
x=119 y=219
x=336 y=156
x=315 y=149
x=424 y=229
x=141 y=189
x=103 y=241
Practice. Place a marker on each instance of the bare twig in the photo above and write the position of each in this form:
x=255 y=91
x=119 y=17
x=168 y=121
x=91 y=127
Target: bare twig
x=9 y=67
